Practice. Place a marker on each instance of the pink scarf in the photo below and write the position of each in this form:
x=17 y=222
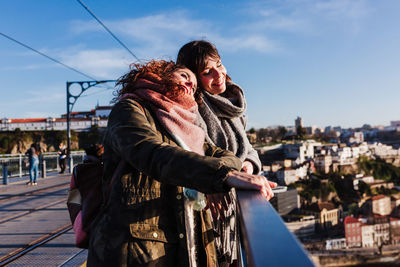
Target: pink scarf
x=177 y=114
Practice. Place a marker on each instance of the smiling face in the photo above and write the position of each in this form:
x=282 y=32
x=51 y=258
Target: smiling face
x=186 y=79
x=213 y=77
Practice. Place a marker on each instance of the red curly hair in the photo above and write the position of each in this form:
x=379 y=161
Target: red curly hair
x=159 y=71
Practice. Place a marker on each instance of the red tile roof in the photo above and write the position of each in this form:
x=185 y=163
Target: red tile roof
x=28 y=120
x=104 y=107
x=350 y=219
x=378 y=197
x=323 y=205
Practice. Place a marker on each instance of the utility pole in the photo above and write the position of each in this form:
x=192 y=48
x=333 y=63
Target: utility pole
x=71 y=100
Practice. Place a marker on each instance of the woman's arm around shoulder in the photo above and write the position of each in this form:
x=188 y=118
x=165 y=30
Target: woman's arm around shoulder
x=135 y=139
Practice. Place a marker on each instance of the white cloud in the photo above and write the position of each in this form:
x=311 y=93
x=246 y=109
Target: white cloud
x=161 y=35
x=253 y=42
x=305 y=16
x=339 y=9
x=28 y=67
x=104 y=64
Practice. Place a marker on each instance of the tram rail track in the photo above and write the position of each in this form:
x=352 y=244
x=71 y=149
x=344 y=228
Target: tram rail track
x=27 y=212
x=31 y=193
x=16 y=254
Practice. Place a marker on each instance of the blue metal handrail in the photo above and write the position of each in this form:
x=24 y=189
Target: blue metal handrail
x=265 y=238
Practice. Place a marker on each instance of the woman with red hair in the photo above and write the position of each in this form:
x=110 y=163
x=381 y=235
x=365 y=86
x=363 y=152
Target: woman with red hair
x=155 y=214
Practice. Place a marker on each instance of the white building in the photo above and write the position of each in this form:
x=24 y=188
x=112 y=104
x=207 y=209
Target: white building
x=303 y=227
x=287 y=176
x=382 y=232
x=395 y=123
x=102 y=111
x=381 y=205
x=367 y=235
x=80 y=121
x=337 y=243
x=363 y=149
x=383 y=150
x=365 y=179
x=57 y=124
x=356 y=137
x=323 y=163
x=344 y=156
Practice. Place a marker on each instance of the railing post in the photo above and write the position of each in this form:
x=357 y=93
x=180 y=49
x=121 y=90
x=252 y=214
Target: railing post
x=20 y=165
x=44 y=172
x=58 y=164
x=5 y=174
x=71 y=164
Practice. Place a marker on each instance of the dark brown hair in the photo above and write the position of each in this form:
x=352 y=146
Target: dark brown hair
x=159 y=71
x=193 y=56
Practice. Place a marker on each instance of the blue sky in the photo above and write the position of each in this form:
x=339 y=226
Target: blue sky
x=330 y=62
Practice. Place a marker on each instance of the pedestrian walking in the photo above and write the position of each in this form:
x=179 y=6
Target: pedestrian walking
x=33 y=157
x=62 y=156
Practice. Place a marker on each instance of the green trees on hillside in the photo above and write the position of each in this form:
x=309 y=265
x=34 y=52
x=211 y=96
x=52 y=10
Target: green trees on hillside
x=380 y=169
x=50 y=140
x=315 y=187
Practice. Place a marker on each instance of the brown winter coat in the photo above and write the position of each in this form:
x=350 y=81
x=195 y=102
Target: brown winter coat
x=143 y=221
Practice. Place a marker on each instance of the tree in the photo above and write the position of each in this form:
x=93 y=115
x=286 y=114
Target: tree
x=301 y=132
x=18 y=139
x=281 y=132
x=363 y=188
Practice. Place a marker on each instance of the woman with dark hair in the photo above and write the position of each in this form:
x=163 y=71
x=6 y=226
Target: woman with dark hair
x=33 y=158
x=156 y=169
x=222 y=106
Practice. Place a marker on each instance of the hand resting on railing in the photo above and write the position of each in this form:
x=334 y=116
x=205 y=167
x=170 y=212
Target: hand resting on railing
x=247 y=167
x=242 y=180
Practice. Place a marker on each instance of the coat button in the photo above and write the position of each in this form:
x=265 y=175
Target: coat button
x=155 y=235
x=181 y=235
x=178 y=197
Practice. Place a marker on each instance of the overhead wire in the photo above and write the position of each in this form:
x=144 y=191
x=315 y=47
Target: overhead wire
x=108 y=30
x=95 y=93
x=46 y=56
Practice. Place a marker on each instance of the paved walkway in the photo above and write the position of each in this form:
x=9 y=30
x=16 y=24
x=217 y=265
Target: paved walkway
x=60 y=248
x=17 y=182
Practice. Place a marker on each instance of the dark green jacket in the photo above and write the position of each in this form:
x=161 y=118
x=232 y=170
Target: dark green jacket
x=144 y=217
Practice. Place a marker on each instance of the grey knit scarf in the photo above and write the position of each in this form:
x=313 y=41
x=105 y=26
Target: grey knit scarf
x=221 y=119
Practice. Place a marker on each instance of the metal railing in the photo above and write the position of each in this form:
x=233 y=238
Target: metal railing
x=265 y=238
x=17 y=164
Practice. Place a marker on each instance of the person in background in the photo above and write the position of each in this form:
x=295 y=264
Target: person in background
x=222 y=108
x=62 y=157
x=33 y=158
x=160 y=166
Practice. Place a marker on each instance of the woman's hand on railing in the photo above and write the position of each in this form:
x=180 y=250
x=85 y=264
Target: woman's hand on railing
x=247 y=167
x=242 y=180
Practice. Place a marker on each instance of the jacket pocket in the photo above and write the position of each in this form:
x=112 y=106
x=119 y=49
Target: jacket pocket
x=151 y=232
x=149 y=243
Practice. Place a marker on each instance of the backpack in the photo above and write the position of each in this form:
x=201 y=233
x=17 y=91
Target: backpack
x=85 y=198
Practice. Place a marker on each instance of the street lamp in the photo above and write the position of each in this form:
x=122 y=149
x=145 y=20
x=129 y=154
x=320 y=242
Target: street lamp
x=71 y=100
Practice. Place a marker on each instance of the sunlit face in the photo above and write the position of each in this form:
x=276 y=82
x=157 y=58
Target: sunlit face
x=185 y=78
x=213 y=77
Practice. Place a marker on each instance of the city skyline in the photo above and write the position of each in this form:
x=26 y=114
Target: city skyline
x=329 y=62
